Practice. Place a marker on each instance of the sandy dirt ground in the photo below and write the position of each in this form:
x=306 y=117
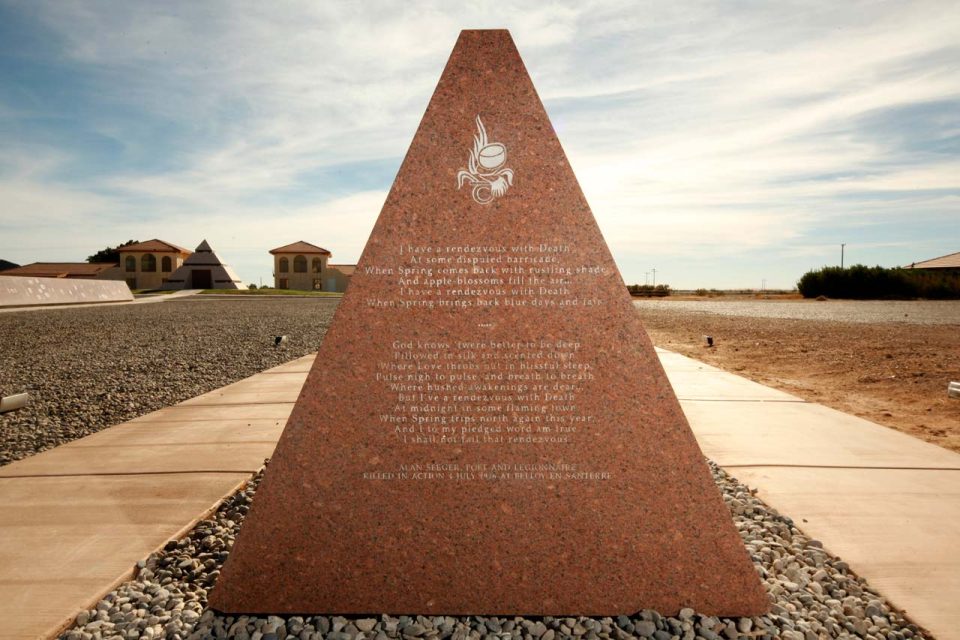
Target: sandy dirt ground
x=891 y=367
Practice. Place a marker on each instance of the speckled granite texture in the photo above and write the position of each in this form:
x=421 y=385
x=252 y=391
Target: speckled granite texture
x=625 y=516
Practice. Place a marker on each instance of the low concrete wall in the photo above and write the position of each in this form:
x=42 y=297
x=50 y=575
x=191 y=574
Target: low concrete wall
x=27 y=292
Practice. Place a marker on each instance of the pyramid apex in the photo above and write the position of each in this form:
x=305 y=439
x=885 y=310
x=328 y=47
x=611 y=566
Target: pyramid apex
x=485 y=403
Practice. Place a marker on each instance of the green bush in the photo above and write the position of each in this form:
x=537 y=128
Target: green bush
x=861 y=282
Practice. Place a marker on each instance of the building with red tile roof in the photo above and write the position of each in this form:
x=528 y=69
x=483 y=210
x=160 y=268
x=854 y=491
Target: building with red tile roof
x=79 y=270
x=304 y=266
x=156 y=246
x=148 y=265
x=300 y=247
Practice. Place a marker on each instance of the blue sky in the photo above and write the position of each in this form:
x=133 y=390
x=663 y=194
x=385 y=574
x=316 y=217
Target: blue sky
x=723 y=144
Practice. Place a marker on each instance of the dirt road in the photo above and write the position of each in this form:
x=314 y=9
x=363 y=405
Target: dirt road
x=887 y=362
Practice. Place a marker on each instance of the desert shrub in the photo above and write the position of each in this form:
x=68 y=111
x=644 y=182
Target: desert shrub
x=861 y=282
x=649 y=291
x=936 y=285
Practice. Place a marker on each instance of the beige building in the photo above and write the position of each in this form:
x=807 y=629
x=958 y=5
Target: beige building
x=337 y=276
x=949 y=263
x=303 y=266
x=148 y=265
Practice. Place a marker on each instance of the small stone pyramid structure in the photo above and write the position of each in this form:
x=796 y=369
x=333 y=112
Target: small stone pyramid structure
x=203 y=270
x=487 y=429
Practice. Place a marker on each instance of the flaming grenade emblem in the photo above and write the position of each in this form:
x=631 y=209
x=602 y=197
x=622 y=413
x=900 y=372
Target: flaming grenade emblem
x=485 y=168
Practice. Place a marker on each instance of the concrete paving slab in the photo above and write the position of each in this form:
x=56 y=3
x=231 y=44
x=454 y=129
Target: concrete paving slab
x=66 y=541
x=205 y=457
x=138 y=434
x=240 y=395
x=204 y=413
x=672 y=362
x=899 y=529
x=25 y=600
x=885 y=502
x=721 y=386
x=300 y=365
x=275 y=381
x=736 y=434
x=75 y=520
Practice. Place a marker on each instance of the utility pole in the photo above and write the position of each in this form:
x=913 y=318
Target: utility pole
x=763 y=285
x=646 y=278
x=654 y=277
x=842 y=245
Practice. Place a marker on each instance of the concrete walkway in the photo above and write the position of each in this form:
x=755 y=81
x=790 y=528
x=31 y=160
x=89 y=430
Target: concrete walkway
x=885 y=502
x=75 y=520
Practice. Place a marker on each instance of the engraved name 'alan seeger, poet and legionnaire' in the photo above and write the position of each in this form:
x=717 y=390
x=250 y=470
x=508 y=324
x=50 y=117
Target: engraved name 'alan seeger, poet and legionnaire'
x=486 y=169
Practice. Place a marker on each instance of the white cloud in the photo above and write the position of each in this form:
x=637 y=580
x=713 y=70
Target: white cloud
x=677 y=118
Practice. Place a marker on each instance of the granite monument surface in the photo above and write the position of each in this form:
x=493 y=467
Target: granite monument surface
x=487 y=429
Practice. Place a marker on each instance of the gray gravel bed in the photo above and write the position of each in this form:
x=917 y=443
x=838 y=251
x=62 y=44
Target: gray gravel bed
x=863 y=311
x=87 y=369
x=814 y=595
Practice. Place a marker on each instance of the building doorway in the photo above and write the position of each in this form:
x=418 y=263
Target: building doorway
x=201 y=279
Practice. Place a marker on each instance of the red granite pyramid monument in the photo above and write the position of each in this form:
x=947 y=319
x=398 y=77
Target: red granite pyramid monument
x=487 y=429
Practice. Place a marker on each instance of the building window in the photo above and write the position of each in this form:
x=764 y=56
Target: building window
x=130 y=264
x=317 y=265
x=284 y=265
x=317 y=284
x=148 y=263
x=166 y=265
x=283 y=283
x=300 y=264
